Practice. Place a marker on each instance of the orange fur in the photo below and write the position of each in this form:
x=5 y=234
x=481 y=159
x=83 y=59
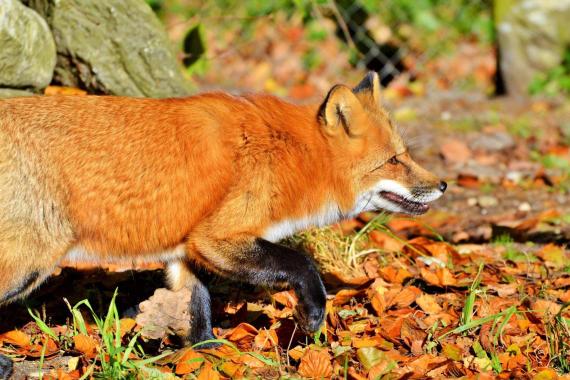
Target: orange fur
x=126 y=177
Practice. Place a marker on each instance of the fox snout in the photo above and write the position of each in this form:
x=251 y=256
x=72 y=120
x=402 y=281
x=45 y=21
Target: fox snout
x=393 y=196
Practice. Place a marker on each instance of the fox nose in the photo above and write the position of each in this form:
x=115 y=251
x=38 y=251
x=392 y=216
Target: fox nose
x=442 y=186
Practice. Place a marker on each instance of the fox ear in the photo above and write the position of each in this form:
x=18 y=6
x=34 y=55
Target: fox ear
x=339 y=111
x=369 y=86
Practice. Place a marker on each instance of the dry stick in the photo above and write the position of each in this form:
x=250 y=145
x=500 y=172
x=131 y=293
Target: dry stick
x=289 y=345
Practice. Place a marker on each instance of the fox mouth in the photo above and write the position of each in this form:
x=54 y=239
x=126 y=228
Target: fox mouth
x=408 y=206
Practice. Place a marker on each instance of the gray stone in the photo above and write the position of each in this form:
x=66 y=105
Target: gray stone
x=487 y=201
x=492 y=142
x=13 y=93
x=532 y=35
x=27 y=49
x=112 y=46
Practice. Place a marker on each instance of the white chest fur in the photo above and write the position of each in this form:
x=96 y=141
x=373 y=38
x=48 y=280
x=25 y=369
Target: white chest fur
x=328 y=215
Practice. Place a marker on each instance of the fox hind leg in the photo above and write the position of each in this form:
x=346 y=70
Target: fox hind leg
x=184 y=274
x=27 y=258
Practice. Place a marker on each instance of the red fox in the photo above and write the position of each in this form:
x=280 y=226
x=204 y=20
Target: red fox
x=211 y=181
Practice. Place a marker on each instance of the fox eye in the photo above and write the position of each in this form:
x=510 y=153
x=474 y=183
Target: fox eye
x=393 y=161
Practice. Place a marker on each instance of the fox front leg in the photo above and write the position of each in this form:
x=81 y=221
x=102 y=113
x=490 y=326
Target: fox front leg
x=260 y=262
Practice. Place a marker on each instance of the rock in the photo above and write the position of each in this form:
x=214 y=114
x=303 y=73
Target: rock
x=493 y=142
x=114 y=47
x=165 y=312
x=27 y=53
x=12 y=93
x=487 y=201
x=472 y=202
x=525 y=207
x=532 y=35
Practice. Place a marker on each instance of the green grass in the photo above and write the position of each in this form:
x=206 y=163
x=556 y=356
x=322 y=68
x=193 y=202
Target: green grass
x=119 y=357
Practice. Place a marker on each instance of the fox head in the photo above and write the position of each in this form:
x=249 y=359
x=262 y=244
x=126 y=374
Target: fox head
x=368 y=152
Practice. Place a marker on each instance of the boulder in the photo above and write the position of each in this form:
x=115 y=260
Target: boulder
x=532 y=36
x=27 y=49
x=13 y=93
x=114 y=47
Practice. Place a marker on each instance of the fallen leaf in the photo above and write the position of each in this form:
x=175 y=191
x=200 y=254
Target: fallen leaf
x=428 y=303
x=455 y=151
x=266 y=339
x=62 y=90
x=286 y=298
x=86 y=345
x=316 y=365
x=189 y=362
x=16 y=338
x=208 y=373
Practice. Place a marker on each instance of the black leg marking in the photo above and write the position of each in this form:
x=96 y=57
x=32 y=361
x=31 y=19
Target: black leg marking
x=6 y=367
x=22 y=288
x=270 y=264
x=200 y=316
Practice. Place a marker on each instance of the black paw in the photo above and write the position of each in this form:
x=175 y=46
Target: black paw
x=310 y=318
x=199 y=340
x=6 y=367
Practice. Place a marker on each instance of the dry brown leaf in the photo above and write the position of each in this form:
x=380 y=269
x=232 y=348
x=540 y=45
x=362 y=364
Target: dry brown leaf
x=441 y=277
x=243 y=335
x=208 y=373
x=61 y=90
x=412 y=335
x=127 y=325
x=316 y=365
x=386 y=242
x=343 y=296
x=16 y=338
x=266 y=339
x=545 y=309
x=454 y=150
x=86 y=345
x=297 y=352
x=286 y=298
x=189 y=362
x=468 y=180
x=395 y=275
x=428 y=303
x=405 y=297
x=370 y=341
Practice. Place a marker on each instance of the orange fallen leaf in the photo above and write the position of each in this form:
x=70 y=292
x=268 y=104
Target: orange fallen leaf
x=286 y=298
x=266 y=339
x=386 y=242
x=316 y=365
x=345 y=295
x=428 y=303
x=127 y=325
x=61 y=90
x=207 y=372
x=86 y=345
x=16 y=337
x=243 y=335
x=189 y=362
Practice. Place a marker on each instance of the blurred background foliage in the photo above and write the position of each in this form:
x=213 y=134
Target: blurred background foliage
x=401 y=39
